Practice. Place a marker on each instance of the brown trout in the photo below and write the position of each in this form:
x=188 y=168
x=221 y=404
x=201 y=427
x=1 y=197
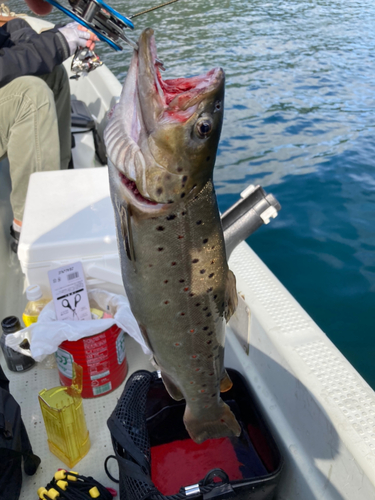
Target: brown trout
x=161 y=141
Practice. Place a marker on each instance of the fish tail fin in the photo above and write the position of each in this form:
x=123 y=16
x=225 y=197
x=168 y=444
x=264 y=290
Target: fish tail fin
x=222 y=423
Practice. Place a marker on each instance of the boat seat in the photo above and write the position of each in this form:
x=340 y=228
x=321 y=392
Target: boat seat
x=82 y=122
x=80 y=115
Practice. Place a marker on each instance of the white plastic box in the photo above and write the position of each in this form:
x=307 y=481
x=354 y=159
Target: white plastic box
x=68 y=218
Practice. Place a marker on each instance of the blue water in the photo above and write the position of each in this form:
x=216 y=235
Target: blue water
x=299 y=120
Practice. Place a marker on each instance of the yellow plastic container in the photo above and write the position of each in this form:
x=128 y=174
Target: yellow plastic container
x=64 y=418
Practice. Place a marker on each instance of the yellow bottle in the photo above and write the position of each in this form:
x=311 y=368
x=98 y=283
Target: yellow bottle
x=35 y=305
x=64 y=418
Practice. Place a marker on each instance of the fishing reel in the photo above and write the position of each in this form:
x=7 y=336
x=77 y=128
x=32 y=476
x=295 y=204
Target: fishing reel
x=84 y=61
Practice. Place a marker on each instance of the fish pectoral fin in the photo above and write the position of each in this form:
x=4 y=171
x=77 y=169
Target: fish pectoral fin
x=171 y=387
x=231 y=297
x=225 y=382
x=222 y=424
x=126 y=232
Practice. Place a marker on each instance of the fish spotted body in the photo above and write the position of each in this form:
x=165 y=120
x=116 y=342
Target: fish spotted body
x=161 y=142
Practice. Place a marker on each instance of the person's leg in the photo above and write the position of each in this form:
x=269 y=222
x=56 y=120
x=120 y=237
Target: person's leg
x=28 y=134
x=58 y=82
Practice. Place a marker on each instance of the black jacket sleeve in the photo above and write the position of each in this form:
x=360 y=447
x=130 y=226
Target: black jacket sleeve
x=25 y=52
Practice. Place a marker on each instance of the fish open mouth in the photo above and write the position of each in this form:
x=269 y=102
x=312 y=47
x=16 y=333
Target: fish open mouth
x=151 y=125
x=179 y=97
x=132 y=188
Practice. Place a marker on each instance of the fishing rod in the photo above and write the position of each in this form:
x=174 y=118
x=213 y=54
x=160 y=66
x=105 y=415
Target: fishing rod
x=107 y=24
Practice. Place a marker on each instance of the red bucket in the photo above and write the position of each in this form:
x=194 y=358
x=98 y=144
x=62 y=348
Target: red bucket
x=102 y=358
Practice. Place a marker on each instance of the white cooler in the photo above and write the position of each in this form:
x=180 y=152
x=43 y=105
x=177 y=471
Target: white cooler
x=69 y=218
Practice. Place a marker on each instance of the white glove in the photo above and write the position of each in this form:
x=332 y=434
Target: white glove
x=75 y=37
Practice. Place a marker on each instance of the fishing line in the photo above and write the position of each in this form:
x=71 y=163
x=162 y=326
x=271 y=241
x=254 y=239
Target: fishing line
x=152 y=8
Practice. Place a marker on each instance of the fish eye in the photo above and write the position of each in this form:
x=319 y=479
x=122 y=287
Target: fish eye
x=218 y=106
x=204 y=127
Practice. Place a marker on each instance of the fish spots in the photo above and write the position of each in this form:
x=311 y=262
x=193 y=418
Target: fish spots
x=159 y=191
x=177 y=344
x=160 y=249
x=209 y=342
x=197 y=369
x=202 y=271
x=211 y=374
x=213 y=395
x=182 y=195
x=208 y=315
x=211 y=275
x=173 y=263
x=205 y=308
x=215 y=296
x=183 y=213
x=202 y=391
x=192 y=382
x=192 y=330
x=150 y=265
x=194 y=356
x=165 y=281
x=182 y=281
x=197 y=304
x=209 y=289
x=205 y=328
x=160 y=228
x=208 y=158
x=180 y=237
x=194 y=261
x=205 y=240
x=182 y=314
x=209 y=357
x=186 y=289
x=213 y=247
x=179 y=169
x=199 y=222
x=193 y=399
x=171 y=217
x=210 y=333
x=166 y=302
x=191 y=294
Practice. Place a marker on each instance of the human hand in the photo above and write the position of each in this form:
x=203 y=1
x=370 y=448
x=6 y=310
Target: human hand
x=78 y=36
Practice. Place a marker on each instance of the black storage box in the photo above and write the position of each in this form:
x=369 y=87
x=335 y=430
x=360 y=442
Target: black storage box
x=154 y=451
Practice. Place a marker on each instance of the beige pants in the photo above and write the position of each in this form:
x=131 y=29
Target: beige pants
x=34 y=129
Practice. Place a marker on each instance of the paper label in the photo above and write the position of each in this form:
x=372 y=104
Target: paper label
x=64 y=362
x=69 y=292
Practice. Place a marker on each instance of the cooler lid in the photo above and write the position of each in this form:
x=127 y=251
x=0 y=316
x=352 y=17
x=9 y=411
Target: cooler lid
x=68 y=215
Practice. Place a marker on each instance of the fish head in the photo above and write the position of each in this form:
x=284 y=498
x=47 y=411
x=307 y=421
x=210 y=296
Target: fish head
x=171 y=129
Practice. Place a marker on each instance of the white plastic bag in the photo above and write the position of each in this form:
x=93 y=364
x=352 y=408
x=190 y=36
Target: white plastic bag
x=47 y=334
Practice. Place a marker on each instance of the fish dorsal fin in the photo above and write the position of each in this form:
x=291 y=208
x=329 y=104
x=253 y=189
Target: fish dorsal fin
x=231 y=298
